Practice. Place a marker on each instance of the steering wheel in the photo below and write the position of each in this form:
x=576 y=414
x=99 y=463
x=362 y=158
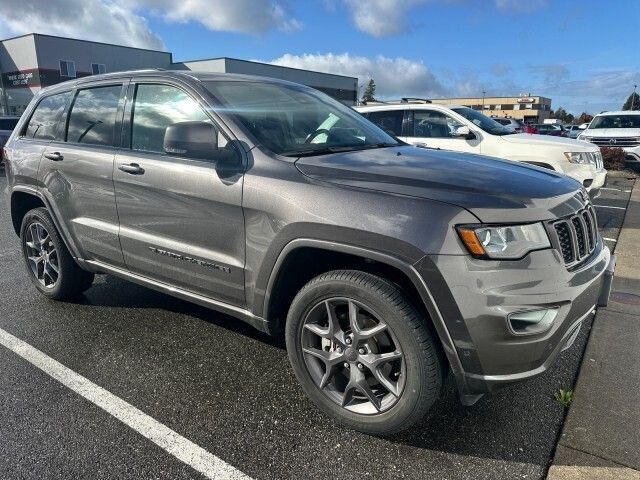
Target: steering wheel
x=316 y=133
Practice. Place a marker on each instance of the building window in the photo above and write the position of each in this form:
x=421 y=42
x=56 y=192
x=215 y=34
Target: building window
x=98 y=68
x=498 y=107
x=67 y=68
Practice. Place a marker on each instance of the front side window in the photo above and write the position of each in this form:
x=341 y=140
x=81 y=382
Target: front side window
x=93 y=116
x=482 y=121
x=432 y=124
x=616 y=121
x=294 y=121
x=43 y=124
x=390 y=120
x=157 y=107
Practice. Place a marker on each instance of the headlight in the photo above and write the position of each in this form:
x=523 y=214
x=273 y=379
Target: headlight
x=580 y=157
x=505 y=241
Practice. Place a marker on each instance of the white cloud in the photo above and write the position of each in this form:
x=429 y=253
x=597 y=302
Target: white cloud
x=122 y=21
x=394 y=77
x=245 y=16
x=381 y=18
x=520 y=6
x=87 y=19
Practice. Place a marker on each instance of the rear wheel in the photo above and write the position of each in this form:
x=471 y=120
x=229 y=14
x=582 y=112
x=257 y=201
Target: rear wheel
x=49 y=264
x=363 y=353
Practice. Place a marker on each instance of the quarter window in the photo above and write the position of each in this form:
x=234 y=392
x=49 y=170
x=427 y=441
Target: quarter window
x=93 y=116
x=157 y=107
x=67 y=68
x=390 y=120
x=432 y=124
x=43 y=124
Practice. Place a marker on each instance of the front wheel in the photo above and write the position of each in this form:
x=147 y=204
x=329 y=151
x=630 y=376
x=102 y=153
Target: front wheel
x=362 y=353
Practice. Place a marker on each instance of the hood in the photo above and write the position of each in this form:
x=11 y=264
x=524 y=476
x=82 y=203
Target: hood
x=611 y=132
x=567 y=144
x=493 y=190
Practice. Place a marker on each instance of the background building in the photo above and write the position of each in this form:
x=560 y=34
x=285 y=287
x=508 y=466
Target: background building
x=528 y=108
x=33 y=61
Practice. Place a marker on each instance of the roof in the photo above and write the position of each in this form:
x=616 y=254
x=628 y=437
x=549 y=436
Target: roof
x=620 y=112
x=413 y=106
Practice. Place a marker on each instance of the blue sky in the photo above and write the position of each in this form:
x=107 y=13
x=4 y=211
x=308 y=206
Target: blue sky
x=584 y=55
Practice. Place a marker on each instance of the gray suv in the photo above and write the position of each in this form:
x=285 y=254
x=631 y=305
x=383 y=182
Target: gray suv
x=384 y=266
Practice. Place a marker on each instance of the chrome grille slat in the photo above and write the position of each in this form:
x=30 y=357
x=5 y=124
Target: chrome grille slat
x=619 y=141
x=577 y=235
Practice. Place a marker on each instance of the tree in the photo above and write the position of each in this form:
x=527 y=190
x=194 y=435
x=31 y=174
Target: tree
x=369 y=92
x=562 y=115
x=584 y=118
x=634 y=99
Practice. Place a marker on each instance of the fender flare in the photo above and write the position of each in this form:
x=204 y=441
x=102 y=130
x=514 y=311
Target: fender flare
x=407 y=268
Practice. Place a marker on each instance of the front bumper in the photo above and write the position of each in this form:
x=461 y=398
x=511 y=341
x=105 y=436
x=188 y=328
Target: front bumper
x=589 y=177
x=482 y=294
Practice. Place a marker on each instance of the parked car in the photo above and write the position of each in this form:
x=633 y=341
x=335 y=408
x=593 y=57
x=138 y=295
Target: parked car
x=385 y=265
x=7 y=124
x=573 y=131
x=553 y=129
x=463 y=129
x=515 y=125
x=616 y=129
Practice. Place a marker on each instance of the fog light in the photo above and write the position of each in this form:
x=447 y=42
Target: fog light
x=532 y=321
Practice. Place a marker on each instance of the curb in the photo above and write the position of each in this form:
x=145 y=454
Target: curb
x=600 y=438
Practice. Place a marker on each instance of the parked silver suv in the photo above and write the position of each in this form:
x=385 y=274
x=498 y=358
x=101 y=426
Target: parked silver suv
x=384 y=265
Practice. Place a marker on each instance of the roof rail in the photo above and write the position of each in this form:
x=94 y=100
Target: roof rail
x=414 y=100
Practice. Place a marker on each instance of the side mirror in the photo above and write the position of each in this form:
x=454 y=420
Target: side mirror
x=464 y=132
x=198 y=140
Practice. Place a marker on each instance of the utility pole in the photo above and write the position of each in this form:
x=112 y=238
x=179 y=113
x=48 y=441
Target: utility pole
x=483 y=94
x=633 y=97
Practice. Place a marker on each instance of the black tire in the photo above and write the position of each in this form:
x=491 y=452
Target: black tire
x=422 y=361
x=70 y=280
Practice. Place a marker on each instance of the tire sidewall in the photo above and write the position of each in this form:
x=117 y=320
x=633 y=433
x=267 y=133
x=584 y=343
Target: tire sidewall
x=417 y=393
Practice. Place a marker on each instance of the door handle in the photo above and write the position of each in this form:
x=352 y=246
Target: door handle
x=55 y=156
x=132 y=168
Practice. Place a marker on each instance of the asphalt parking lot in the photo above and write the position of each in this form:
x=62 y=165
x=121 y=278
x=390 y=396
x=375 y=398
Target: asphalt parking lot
x=229 y=389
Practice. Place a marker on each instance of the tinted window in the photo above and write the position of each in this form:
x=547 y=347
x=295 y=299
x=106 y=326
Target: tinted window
x=434 y=124
x=44 y=121
x=157 y=107
x=8 y=123
x=482 y=121
x=93 y=116
x=616 y=121
x=390 y=121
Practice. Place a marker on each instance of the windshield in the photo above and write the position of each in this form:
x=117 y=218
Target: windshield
x=616 y=121
x=294 y=120
x=485 y=123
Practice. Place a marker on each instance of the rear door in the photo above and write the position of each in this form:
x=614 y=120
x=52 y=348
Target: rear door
x=76 y=171
x=181 y=219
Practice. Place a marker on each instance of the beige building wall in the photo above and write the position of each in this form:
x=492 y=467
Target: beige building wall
x=530 y=109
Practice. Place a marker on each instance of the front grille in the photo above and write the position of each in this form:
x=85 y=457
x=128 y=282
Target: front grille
x=615 y=141
x=577 y=235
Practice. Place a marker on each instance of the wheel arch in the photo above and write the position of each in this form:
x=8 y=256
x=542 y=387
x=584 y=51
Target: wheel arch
x=291 y=271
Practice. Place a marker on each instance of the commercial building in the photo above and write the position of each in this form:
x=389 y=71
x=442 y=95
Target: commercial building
x=33 y=61
x=528 y=108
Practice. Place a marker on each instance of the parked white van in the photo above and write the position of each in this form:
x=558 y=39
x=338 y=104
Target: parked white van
x=463 y=129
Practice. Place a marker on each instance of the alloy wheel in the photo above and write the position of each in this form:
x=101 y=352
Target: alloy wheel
x=42 y=255
x=353 y=356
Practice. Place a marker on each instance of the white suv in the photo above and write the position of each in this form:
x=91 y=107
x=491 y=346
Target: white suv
x=616 y=129
x=463 y=129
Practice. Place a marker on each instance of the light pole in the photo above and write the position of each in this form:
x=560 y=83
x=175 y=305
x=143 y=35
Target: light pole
x=633 y=97
x=483 y=94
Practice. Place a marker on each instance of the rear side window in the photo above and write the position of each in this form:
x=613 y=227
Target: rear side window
x=157 y=107
x=43 y=124
x=93 y=116
x=390 y=121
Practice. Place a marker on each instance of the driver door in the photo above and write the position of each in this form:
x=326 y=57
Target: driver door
x=437 y=129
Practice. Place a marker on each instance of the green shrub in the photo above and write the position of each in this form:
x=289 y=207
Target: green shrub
x=613 y=158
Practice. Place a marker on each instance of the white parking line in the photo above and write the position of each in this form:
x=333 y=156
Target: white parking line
x=609 y=239
x=608 y=206
x=615 y=189
x=184 y=450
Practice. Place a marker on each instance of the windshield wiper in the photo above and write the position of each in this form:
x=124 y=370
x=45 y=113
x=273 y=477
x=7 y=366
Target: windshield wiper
x=335 y=149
